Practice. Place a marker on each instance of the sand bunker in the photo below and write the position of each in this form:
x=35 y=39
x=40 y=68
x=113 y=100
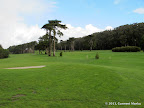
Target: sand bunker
x=26 y=67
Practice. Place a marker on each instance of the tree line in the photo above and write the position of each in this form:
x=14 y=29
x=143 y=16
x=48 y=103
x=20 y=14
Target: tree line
x=4 y=53
x=23 y=48
x=125 y=35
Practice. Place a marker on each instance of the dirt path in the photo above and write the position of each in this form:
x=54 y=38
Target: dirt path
x=26 y=67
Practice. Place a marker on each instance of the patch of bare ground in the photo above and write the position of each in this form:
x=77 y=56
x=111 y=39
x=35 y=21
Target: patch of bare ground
x=34 y=92
x=3 y=104
x=16 y=97
x=26 y=67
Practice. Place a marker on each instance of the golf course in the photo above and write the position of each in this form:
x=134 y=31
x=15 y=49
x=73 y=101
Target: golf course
x=74 y=80
x=71 y=53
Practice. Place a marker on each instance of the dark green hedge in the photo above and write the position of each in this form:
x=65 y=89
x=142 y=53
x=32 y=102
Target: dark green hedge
x=127 y=49
x=4 y=53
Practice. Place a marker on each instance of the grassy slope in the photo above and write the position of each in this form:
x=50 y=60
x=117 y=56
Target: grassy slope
x=75 y=80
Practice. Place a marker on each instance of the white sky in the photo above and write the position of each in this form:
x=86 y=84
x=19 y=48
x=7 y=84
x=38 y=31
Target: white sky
x=14 y=30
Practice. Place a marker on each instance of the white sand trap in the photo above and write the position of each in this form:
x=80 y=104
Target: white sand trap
x=26 y=67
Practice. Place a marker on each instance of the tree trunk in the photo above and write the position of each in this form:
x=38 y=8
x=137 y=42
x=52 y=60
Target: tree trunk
x=33 y=49
x=47 y=49
x=90 y=48
x=49 y=52
x=54 y=47
x=71 y=47
x=65 y=48
x=61 y=48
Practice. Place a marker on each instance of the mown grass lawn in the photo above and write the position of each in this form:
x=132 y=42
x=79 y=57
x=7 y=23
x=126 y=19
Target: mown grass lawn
x=76 y=80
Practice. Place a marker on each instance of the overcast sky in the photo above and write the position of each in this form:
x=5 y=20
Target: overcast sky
x=21 y=20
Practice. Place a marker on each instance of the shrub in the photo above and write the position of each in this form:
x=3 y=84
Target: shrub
x=60 y=53
x=126 y=49
x=4 y=53
x=97 y=56
x=1 y=46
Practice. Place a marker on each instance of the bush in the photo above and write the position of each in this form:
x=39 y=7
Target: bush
x=126 y=49
x=4 y=53
x=60 y=53
x=1 y=46
x=97 y=56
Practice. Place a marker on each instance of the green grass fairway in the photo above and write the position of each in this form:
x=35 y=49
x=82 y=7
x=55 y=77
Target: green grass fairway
x=76 y=80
